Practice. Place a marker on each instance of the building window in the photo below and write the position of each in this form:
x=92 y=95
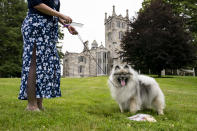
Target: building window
x=120 y=35
x=123 y=25
x=102 y=63
x=81 y=59
x=118 y=24
x=109 y=25
x=80 y=69
x=113 y=25
x=99 y=63
x=109 y=36
x=105 y=63
x=114 y=43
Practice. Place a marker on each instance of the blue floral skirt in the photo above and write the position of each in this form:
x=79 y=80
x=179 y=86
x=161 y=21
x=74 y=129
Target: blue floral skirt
x=43 y=32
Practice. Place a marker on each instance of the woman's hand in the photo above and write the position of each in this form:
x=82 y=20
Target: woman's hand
x=65 y=19
x=72 y=30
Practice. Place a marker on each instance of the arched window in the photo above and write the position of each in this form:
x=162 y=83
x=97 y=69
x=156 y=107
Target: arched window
x=80 y=69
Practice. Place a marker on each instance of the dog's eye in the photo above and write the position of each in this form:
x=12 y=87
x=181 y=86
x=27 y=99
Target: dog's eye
x=126 y=67
x=117 y=67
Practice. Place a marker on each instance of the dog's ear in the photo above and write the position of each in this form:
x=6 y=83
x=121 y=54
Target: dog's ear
x=117 y=67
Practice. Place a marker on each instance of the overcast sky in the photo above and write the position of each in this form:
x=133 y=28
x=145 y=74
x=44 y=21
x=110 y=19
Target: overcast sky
x=92 y=13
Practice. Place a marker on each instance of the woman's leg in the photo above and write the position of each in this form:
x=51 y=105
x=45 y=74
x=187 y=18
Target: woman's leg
x=39 y=103
x=31 y=84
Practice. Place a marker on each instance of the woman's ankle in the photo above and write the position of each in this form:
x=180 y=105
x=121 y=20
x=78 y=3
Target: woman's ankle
x=39 y=103
x=32 y=107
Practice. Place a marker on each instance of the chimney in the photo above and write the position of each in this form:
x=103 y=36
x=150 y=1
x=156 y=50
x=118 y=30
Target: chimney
x=105 y=16
x=114 y=12
x=127 y=13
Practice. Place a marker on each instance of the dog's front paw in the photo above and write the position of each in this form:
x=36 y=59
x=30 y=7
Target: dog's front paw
x=160 y=112
x=122 y=111
x=133 y=106
x=133 y=111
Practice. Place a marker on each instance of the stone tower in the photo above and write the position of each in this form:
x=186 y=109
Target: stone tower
x=115 y=27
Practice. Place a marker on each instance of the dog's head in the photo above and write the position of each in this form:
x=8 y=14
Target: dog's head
x=122 y=74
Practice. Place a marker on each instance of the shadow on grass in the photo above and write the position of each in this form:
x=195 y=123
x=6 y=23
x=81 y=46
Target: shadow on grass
x=144 y=111
x=148 y=111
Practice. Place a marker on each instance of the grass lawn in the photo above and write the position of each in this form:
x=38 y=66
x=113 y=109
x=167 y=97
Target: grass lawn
x=86 y=104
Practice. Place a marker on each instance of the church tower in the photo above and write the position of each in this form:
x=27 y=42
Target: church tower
x=115 y=27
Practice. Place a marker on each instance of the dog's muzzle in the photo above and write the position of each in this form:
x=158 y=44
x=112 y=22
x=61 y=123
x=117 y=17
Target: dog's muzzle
x=122 y=78
x=122 y=81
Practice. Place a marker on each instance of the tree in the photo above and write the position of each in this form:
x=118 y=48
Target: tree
x=157 y=40
x=12 y=13
x=185 y=8
x=188 y=9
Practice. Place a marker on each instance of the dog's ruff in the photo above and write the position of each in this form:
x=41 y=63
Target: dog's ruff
x=133 y=91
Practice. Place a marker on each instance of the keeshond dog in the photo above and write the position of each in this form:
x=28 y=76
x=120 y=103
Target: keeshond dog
x=134 y=92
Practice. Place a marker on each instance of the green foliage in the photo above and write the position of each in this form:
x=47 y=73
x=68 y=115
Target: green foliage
x=59 y=47
x=12 y=14
x=157 y=40
x=145 y=4
x=86 y=105
x=188 y=9
x=185 y=8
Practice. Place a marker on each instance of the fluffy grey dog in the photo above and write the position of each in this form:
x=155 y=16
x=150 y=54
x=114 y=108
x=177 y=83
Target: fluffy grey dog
x=133 y=91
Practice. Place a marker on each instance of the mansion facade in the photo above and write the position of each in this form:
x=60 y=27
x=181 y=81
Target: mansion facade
x=98 y=60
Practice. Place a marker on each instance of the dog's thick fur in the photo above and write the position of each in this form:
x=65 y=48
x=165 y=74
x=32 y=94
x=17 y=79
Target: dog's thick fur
x=133 y=91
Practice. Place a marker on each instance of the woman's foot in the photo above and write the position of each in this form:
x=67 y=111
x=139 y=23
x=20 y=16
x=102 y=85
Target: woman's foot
x=32 y=108
x=39 y=103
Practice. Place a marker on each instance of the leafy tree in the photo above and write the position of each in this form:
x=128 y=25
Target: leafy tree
x=188 y=9
x=145 y=4
x=185 y=8
x=157 y=40
x=12 y=13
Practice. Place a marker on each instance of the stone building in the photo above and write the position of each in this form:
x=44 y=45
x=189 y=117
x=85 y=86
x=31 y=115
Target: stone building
x=99 y=59
x=90 y=62
x=115 y=26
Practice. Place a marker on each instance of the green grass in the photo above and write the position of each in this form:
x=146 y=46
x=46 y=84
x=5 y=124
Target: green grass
x=86 y=105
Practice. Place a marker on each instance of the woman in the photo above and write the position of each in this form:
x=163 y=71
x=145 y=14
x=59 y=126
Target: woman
x=41 y=67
